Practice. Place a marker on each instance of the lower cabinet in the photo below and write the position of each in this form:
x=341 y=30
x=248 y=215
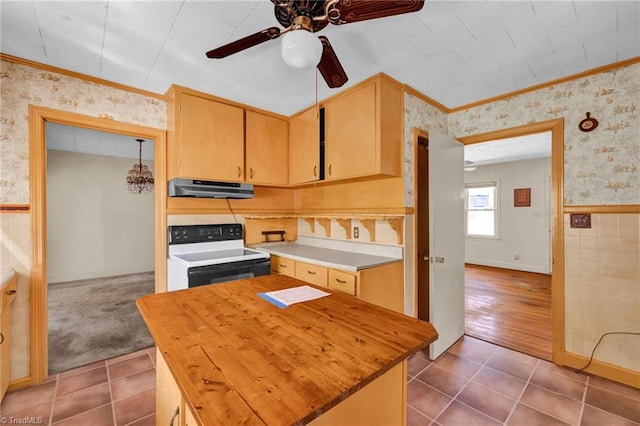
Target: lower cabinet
x=381 y=285
x=311 y=273
x=171 y=409
x=382 y=402
x=342 y=281
x=283 y=265
x=6 y=298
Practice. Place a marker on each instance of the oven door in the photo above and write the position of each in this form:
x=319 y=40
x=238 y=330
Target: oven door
x=223 y=272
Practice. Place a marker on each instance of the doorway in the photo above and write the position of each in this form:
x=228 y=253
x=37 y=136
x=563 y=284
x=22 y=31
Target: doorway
x=422 y=201
x=38 y=117
x=508 y=245
x=556 y=127
x=100 y=246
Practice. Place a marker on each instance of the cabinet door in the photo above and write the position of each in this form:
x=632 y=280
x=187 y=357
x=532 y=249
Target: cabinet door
x=7 y=296
x=267 y=154
x=350 y=146
x=189 y=418
x=168 y=395
x=304 y=147
x=211 y=139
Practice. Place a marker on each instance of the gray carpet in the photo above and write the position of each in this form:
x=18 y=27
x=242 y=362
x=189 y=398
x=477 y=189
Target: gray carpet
x=97 y=319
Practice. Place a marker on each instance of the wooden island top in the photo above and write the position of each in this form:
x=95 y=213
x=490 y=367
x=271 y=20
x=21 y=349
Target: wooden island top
x=239 y=359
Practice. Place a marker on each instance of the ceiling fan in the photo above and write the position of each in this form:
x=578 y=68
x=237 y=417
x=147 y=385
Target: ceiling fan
x=301 y=18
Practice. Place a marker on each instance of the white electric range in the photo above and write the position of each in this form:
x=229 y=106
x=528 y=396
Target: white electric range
x=210 y=254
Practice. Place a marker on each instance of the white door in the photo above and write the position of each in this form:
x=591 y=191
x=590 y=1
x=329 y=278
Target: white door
x=446 y=241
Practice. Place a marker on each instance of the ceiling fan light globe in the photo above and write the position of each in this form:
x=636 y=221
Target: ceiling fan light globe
x=301 y=49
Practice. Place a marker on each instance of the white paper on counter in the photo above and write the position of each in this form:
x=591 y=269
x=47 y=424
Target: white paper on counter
x=293 y=295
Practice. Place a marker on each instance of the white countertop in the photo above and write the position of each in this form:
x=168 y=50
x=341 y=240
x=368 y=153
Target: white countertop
x=331 y=258
x=6 y=275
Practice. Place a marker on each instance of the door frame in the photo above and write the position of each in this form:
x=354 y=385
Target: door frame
x=38 y=116
x=556 y=127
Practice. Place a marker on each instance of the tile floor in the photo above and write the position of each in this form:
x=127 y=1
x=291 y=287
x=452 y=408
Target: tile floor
x=474 y=383
x=478 y=383
x=118 y=391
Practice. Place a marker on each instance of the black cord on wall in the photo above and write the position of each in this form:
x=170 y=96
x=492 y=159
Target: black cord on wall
x=231 y=210
x=600 y=341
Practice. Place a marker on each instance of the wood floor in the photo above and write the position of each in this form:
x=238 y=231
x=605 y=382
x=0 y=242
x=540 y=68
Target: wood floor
x=509 y=308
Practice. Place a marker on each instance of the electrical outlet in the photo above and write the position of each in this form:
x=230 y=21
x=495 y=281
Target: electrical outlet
x=356 y=232
x=516 y=257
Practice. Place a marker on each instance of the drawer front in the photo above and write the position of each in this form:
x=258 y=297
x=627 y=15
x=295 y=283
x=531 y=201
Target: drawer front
x=284 y=266
x=310 y=273
x=342 y=281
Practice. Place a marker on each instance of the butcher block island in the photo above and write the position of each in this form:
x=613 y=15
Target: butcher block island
x=227 y=356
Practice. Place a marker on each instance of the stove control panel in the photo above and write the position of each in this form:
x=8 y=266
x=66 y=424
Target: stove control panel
x=183 y=234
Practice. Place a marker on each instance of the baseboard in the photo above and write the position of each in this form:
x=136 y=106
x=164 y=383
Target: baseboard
x=507 y=265
x=603 y=369
x=19 y=383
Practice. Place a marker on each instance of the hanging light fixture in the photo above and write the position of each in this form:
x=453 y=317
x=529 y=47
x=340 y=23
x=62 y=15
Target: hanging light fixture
x=300 y=48
x=139 y=178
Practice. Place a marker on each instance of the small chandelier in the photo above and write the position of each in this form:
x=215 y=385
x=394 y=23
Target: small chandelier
x=139 y=178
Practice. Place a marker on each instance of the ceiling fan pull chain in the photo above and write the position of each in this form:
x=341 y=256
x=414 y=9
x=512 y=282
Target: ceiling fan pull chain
x=316 y=90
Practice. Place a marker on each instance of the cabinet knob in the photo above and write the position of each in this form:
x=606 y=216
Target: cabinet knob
x=239 y=171
x=311 y=272
x=282 y=266
x=1 y=338
x=315 y=169
x=250 y=173
x=11 y=292
x=341 y=281
x=329 y=169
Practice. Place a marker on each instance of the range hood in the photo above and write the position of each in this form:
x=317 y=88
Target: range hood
x=195 y=188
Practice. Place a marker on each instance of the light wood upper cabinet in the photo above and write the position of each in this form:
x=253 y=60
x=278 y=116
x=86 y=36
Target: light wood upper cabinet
x=304 y=147
x=267 y=156
x=364 y=131
x=205 y=138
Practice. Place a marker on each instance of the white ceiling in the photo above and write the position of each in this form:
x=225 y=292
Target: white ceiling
x=519 y=148
x=60 y=137
x=455 y=52
x=452 y=51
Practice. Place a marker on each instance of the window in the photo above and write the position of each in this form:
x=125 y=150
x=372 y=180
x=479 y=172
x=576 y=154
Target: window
x=481 y=212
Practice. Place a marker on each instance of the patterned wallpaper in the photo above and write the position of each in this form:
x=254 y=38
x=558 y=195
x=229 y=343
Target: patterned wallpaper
x=601 y=167
x=22 y=85
x=417 y=113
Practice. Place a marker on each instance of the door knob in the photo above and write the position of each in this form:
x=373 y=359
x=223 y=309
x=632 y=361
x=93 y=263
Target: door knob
x=439 y=259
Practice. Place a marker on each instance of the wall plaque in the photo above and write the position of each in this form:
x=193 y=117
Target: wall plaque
x=522 y=197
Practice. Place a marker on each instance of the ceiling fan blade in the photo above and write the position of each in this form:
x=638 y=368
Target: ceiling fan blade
x=244 y=43
x=347 y=11
x=330 y=66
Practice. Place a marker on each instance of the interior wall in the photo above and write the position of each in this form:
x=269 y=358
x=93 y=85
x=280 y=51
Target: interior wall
x=600 y=169
x=23 y=86
x=95 y=226
x=524 y=231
